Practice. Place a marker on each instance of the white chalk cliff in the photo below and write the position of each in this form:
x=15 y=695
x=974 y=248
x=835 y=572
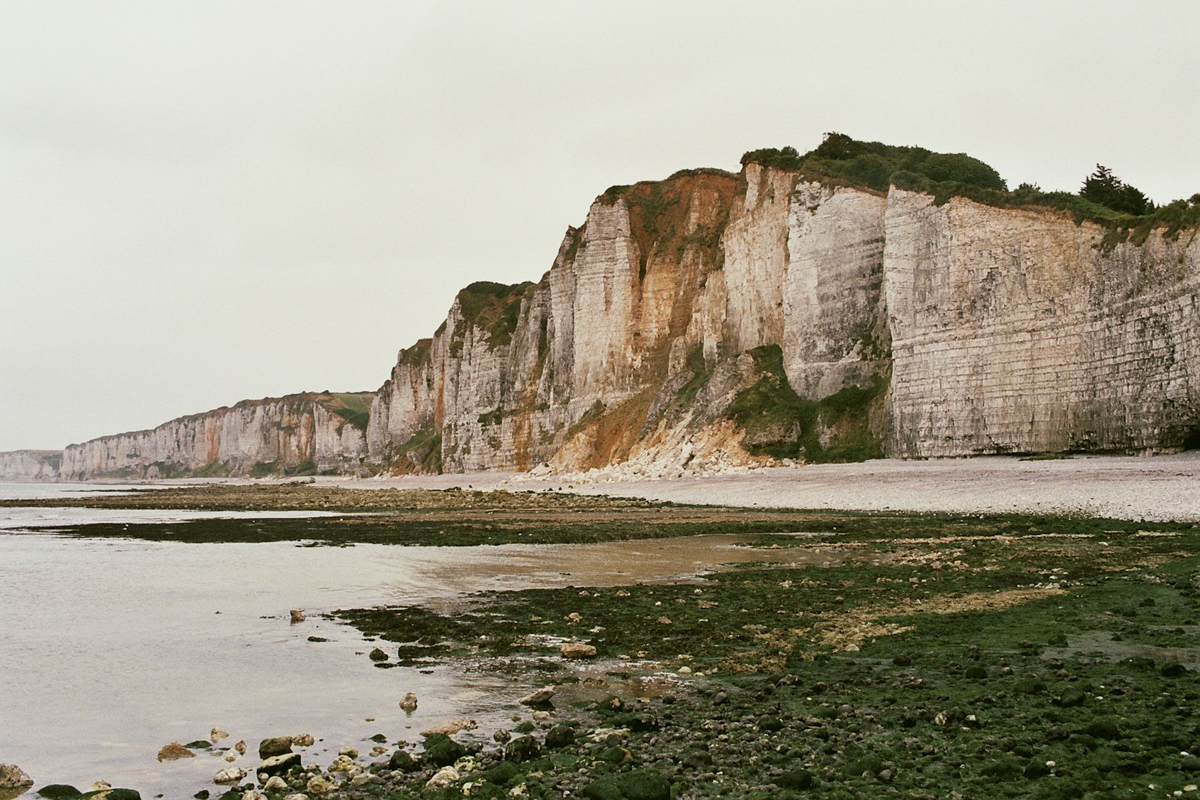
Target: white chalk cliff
x=718 y=319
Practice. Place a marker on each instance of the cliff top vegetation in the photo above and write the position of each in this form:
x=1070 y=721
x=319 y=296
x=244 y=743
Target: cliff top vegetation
x=1103 y=198
x=492 y=307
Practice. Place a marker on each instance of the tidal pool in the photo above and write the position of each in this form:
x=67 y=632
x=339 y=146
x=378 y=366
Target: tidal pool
x=110 y=649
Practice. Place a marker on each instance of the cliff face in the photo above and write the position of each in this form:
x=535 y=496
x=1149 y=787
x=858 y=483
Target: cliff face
x=1021 y=331
x=296 y=434
x=715 y=320
x=903 y=327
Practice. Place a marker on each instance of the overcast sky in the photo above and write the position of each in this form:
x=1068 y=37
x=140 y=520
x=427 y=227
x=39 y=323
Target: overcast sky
x=202 y=202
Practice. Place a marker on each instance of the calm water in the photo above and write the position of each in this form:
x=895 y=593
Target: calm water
x=110 y=649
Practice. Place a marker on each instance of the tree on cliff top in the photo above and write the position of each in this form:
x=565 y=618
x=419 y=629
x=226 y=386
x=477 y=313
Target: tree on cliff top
x=1106 y=189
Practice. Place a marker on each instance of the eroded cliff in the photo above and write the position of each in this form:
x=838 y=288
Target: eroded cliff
x=859 y=301
x=299 y=434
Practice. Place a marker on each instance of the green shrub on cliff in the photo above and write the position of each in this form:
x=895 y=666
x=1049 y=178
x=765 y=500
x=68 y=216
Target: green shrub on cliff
x=1104 y=198
x=781 y=424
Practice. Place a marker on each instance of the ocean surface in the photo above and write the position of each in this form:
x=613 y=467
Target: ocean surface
x=110 y=649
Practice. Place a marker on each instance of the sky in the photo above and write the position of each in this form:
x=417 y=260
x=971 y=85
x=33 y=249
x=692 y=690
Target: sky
x=202 y=202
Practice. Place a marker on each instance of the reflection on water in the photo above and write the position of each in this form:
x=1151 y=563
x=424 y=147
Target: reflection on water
x=111 y=648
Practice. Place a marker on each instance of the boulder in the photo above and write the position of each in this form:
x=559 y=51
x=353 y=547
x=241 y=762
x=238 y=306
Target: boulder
x=217 y=735
x=378 y=655
x=442 y=751
x=297 y=615
x=277 y=765
x=523 y=748
x=13 y=777
x=274 y=784
x=112 y=794
x=444 y=777
x=275 y=746
x=450 y=728
x=59 y=791
x=321 y=784
x=402 y=761
x=303 y=740
x=409 y=703
x=229 y=775
x=174 y=751
x=541 y=697
x=575 y=650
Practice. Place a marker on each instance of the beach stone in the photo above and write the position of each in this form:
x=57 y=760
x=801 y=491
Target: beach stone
x=274 y=746
x=541 y=697
x=502 y=773
x=409 y=702
x=174 y=751
x=402 y=761
x=523 y=748
x=574 y=650
x=13 y=777
x=321 y=784
x=240 y=747
x=303 y=740
x=446 y=776
x=217 y=735
x=378 y=655
x=560 y=736
x=348 y=752
x=59 y=791
x=253 y=794
x=229 y=775
x=442 y=751
x=450 y=728
x=295 y=796
x=297 y=615
x=501 y=735
x=275 y=784
x=277 y=765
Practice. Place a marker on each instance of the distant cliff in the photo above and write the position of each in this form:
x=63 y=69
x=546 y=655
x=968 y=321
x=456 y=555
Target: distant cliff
x=300 y=434
x=857 y=301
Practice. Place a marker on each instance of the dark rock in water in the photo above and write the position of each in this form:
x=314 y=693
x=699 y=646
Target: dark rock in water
x=277 y=765
x=402 y=761
x=379 y=738
x=1175 y=670
x=378 y=655
x=442 y=751
x=502 y=773
x=199 y=744
x=525 y=727
x=275 y=746
x=317 y=639
x=203 y=794
x=59 y=791
x=523 y=748
x=796 y=779
x=560 y=736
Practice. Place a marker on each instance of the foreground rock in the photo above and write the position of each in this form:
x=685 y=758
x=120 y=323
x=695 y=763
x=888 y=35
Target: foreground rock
x=13 y=777
x=275 y=746
x=277 y=765
x=575 y=650
x=539 y=699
